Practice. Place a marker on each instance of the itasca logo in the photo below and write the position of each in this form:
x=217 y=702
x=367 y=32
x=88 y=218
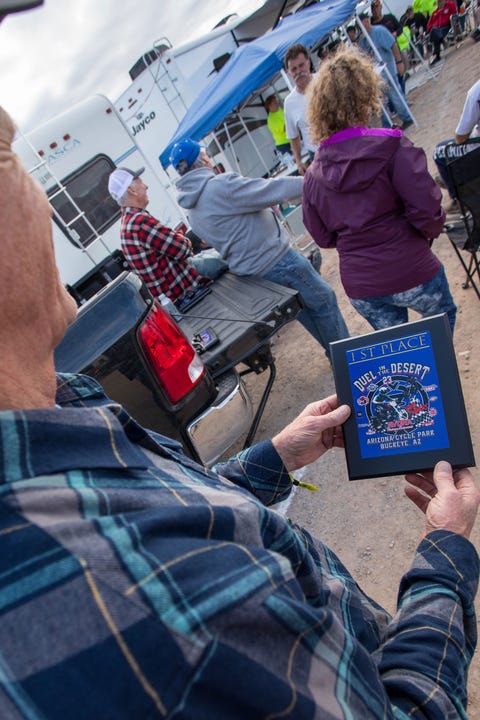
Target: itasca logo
x=144 y=122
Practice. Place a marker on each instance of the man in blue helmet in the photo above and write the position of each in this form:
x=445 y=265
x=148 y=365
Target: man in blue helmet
x=234 y=215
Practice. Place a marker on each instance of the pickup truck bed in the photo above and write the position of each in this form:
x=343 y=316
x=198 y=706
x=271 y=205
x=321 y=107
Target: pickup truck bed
x=244 y=313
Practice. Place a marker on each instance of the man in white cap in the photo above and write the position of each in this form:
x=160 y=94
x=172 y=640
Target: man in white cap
x=161 y=256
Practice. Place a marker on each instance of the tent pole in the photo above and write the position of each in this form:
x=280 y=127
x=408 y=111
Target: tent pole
x=213 y=133
x=279 y=15
x=349 y=42
x=286 y=77
x=421 y=60
x=242 y=121
x=415 y=51
x=392 y=81
x=231 y=146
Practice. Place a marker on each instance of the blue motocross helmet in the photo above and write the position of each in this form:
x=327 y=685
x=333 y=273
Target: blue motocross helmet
x=186 y=152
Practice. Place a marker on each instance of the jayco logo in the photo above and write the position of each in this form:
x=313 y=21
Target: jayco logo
x=62 y=150
x=143 y=123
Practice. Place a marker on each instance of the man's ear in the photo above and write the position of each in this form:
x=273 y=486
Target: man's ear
x=131 y=192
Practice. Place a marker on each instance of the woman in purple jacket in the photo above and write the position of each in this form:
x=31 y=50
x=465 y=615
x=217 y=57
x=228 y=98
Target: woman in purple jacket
x=368 y=193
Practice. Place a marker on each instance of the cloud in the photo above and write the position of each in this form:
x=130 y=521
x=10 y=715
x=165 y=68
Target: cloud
x=58 y=54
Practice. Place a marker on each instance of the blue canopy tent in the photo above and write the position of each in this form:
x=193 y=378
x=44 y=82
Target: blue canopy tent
x=253 y=64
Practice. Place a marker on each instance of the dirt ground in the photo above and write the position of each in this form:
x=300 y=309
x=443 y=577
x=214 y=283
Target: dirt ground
x=370 y=524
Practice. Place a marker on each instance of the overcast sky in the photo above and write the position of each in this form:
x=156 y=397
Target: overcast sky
x=56 y=55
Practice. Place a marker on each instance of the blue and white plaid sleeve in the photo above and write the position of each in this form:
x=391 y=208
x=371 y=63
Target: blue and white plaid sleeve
x=260 y=470
x=424 y=659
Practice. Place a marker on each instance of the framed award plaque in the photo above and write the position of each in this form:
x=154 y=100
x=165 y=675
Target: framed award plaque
x=404 y=390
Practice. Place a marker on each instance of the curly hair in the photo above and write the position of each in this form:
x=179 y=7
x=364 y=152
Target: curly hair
x=344 y=93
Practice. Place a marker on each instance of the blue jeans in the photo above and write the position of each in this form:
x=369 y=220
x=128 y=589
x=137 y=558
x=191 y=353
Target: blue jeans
x=321 y=315
x=208 y=263
x=431 y=298
x=437 y=34
x=393 y=96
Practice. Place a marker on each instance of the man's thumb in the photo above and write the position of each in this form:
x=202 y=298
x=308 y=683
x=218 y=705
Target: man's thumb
x=340 y=414
x=443 y=467
x=442 y=473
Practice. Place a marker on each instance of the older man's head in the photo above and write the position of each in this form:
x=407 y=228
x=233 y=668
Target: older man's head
x=298 y=65
x=34 y=305
x=126 y=187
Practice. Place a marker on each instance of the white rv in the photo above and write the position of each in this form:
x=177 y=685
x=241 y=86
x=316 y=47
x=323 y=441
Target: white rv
x=72 y=156
x=166 y=80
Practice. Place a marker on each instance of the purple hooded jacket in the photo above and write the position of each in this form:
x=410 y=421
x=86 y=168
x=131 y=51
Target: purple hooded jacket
x=368 y=193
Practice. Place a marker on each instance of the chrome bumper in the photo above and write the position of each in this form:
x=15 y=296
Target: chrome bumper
x=224 y=422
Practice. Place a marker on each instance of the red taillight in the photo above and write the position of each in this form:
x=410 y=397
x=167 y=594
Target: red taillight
x=171 y=356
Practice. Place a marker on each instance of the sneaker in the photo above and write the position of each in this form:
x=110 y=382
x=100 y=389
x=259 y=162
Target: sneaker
x=440 y=182
x=406 y=124
x=453 y=207
x=435 y=59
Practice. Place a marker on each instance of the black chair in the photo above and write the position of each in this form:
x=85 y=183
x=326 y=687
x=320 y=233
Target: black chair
x=457 y=31
x=464 y=234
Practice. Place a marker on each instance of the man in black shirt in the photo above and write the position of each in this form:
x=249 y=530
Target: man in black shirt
x=389 y=21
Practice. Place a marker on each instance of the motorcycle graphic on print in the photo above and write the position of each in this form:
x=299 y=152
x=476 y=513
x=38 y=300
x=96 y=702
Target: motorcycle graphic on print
x=398 y=405
x=397 y=400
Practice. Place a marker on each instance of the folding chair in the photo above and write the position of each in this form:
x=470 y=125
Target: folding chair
x=457 y=30
x=464 y=234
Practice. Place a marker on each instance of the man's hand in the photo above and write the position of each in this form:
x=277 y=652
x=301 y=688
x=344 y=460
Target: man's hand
x=296 y=146
x=312 y=433
x=449 y=499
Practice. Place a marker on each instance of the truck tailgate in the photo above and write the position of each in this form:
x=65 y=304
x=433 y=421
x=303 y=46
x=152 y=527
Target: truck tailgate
x=243 y=312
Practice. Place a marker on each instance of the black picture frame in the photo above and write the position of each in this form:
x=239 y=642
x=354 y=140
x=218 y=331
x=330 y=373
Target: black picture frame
x=404 y=389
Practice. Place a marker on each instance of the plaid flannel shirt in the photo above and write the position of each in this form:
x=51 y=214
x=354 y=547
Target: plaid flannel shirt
x=136 y=584
x=157 y=254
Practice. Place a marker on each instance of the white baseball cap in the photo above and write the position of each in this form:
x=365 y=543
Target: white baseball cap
x=120 y=180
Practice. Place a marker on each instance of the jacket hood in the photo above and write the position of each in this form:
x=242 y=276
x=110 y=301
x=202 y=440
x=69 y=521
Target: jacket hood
x=191 y=186
x=346 y=162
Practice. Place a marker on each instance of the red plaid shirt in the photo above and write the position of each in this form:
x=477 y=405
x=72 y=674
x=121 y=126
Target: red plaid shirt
x=158 y=254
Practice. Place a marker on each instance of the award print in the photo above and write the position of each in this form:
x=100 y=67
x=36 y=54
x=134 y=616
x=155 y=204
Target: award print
x=403 y=388
x=398 y=405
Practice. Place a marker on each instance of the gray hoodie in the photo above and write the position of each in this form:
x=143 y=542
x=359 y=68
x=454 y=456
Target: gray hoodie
x=232 y=213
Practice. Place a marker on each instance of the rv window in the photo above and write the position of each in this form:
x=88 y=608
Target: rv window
x=236 y=130
x=87 y=188
x=142 y=63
